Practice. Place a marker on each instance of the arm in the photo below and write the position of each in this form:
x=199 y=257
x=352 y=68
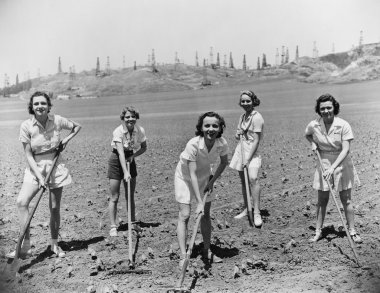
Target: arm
x=141 y=150
x=343 y=154
x=223 y=164
x=32 y=164
x=74 y=131
x=314 y=146
x=194 y=183
x=123 y=164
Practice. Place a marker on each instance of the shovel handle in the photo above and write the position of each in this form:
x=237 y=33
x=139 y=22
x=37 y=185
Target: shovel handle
x=130 y=253
x=246 y=182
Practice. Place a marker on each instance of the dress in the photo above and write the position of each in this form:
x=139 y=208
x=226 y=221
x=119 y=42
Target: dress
x=330 y=146
x=130 y=143
x=43 y=142
x=196 y=151
x=254 y=124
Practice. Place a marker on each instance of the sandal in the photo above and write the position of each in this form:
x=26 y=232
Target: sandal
x=317 y=236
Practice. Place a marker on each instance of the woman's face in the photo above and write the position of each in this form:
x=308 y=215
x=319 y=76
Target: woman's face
x=40 y=106
x=129 y=119
x=327 y=110
x=210 y=128
x=246 y=102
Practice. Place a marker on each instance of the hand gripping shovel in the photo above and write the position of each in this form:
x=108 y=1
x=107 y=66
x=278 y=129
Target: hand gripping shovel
x=246 y=180
x=188 y=252
x=15 y=265
x=337 y=207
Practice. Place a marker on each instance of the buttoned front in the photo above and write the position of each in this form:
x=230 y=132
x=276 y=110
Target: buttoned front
x=129 y=141
x=44 y=139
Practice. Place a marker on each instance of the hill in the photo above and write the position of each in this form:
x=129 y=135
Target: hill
x=356 y=65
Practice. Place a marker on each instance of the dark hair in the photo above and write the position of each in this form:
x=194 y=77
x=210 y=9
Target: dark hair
x=38 y=94
x=327 y=98
x=131 y=109
x=255 y=100
x=222 y=123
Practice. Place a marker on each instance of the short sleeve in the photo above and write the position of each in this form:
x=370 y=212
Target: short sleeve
x=117 y=135
x=64 y=123
x=224 y=148
x=190 y=152
x=258 y=123
x=347 y=133
x=309 y=128
x=24 y=132
x=142 y=136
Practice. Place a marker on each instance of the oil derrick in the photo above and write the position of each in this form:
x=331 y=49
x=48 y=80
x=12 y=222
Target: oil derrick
x=244 y=63
x=277 y=57
x=148 y=60
x=225 y=61
x=283 y=55
x=315 y=50
x=59 y=65
x=134 y=66
x=258 y=63
x=205 y=81
x=72 y=73
x=17 y=81
x=6 y=86
x=360 y=48
x=287 y=55
x=264 y=62
x=297 y=54
x=212 y=64
x=154 y=68
x=97 y=70
x=123 y=62
x=231 y=64
x=108 y=66
x=196 y=59
x=217 y=60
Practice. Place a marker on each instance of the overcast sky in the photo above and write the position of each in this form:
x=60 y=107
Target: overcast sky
x=34 y=33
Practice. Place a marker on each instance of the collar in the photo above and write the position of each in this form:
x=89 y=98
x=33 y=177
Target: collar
x=35 y=121
x=202 y=144
x=125 y=129
x=334 y=125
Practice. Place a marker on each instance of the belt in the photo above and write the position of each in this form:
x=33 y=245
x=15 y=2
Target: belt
x=51 y=151
x=330 y=152
x=126 y=152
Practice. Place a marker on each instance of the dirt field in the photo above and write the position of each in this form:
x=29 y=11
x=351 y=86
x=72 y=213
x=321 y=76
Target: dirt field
x=280 y=259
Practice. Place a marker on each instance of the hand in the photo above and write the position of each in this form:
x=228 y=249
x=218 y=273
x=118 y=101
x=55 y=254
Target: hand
x=209 y=187
x=239 y=132
x=314 y=147
x=130 y=158
x=246 y=164
x=200 y=209
x=62 y=145
x=41 y=181
x=127 y=176
x=327 y=175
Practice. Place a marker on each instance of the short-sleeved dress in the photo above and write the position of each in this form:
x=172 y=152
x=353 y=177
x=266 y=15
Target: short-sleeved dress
x=196 y=151
x=44 y=142
x=330 y=146
x=130 y=143
x=254 y=123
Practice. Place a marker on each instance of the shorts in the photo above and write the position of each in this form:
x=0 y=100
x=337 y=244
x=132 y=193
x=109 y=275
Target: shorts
x=115 y=171
x=59 y=177
x=184 y=190
x=254 y=165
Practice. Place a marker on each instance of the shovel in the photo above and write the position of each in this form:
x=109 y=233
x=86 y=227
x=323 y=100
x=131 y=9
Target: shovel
x=337 y=207
x=15 y=264
x=130 y=253
x=246 y=180
x=179 y=288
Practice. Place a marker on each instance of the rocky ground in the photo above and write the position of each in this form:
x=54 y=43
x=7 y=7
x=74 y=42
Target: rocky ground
x=275 y=258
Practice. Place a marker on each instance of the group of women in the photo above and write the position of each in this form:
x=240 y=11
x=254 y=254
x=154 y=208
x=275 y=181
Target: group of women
x=40 y=136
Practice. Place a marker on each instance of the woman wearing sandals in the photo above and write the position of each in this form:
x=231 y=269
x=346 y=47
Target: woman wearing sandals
x=192 y=178
x=127 y=138
x=40 y=136
x=250 y=128
x=332 y=136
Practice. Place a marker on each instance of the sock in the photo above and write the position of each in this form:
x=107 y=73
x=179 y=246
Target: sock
x=54 y=242
x=25 y=245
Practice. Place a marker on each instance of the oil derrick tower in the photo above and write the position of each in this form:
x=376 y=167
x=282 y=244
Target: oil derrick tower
x=315 y=50
x=277 y=57
x=154 y=68
x=97 y=70
x=231 y=64
x=244 y=63
x=123 y=62
x=258 y=63
x=283 y=55
x=108 y=66
x=17 y=81
x=59 y=65
x=176 y=59
x=297 y=54
x=361 y=39
x=217 y=60
x=212 y=58
x=148 y=60
x=287 y=55
x=6 y=86
x=205 y=81
x=134 y=66
x=196 y=59
x=264 y=62
x=225 y=61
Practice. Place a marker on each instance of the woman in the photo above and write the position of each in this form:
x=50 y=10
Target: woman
x=250 y=128
x=192 y=178
x=127 y=138
x=40 y=136
x=332 y=136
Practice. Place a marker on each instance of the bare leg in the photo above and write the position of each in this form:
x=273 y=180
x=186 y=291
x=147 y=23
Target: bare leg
x=255 y=189
x=206 y=228
x=55 y=215
x=323 y=199
x=112 y=206
x=345 y=197
x=133 y=205
x=183 y=220
x=244 y=192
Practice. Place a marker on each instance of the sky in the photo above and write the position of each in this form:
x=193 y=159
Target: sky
x=35 y=33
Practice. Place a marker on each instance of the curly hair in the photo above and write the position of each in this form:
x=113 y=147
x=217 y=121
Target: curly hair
x=222 y=123
x=39 y=94
x=255 y=100
x=327 y=98
x=131 y=109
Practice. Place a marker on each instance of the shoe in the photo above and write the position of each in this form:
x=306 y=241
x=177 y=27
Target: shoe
x=23 y=254
x=257 y=219
x=355 y=237
x=137 y=228
x=241 y=215
x=113 y=232
x=211 y=257
x=58 y=251
x=317 y=236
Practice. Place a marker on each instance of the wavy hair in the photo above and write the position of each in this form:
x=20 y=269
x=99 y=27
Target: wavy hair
x=255 y=100
x=222 y=123
x=327 y=98
x=39 y=94
x=131 y=109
